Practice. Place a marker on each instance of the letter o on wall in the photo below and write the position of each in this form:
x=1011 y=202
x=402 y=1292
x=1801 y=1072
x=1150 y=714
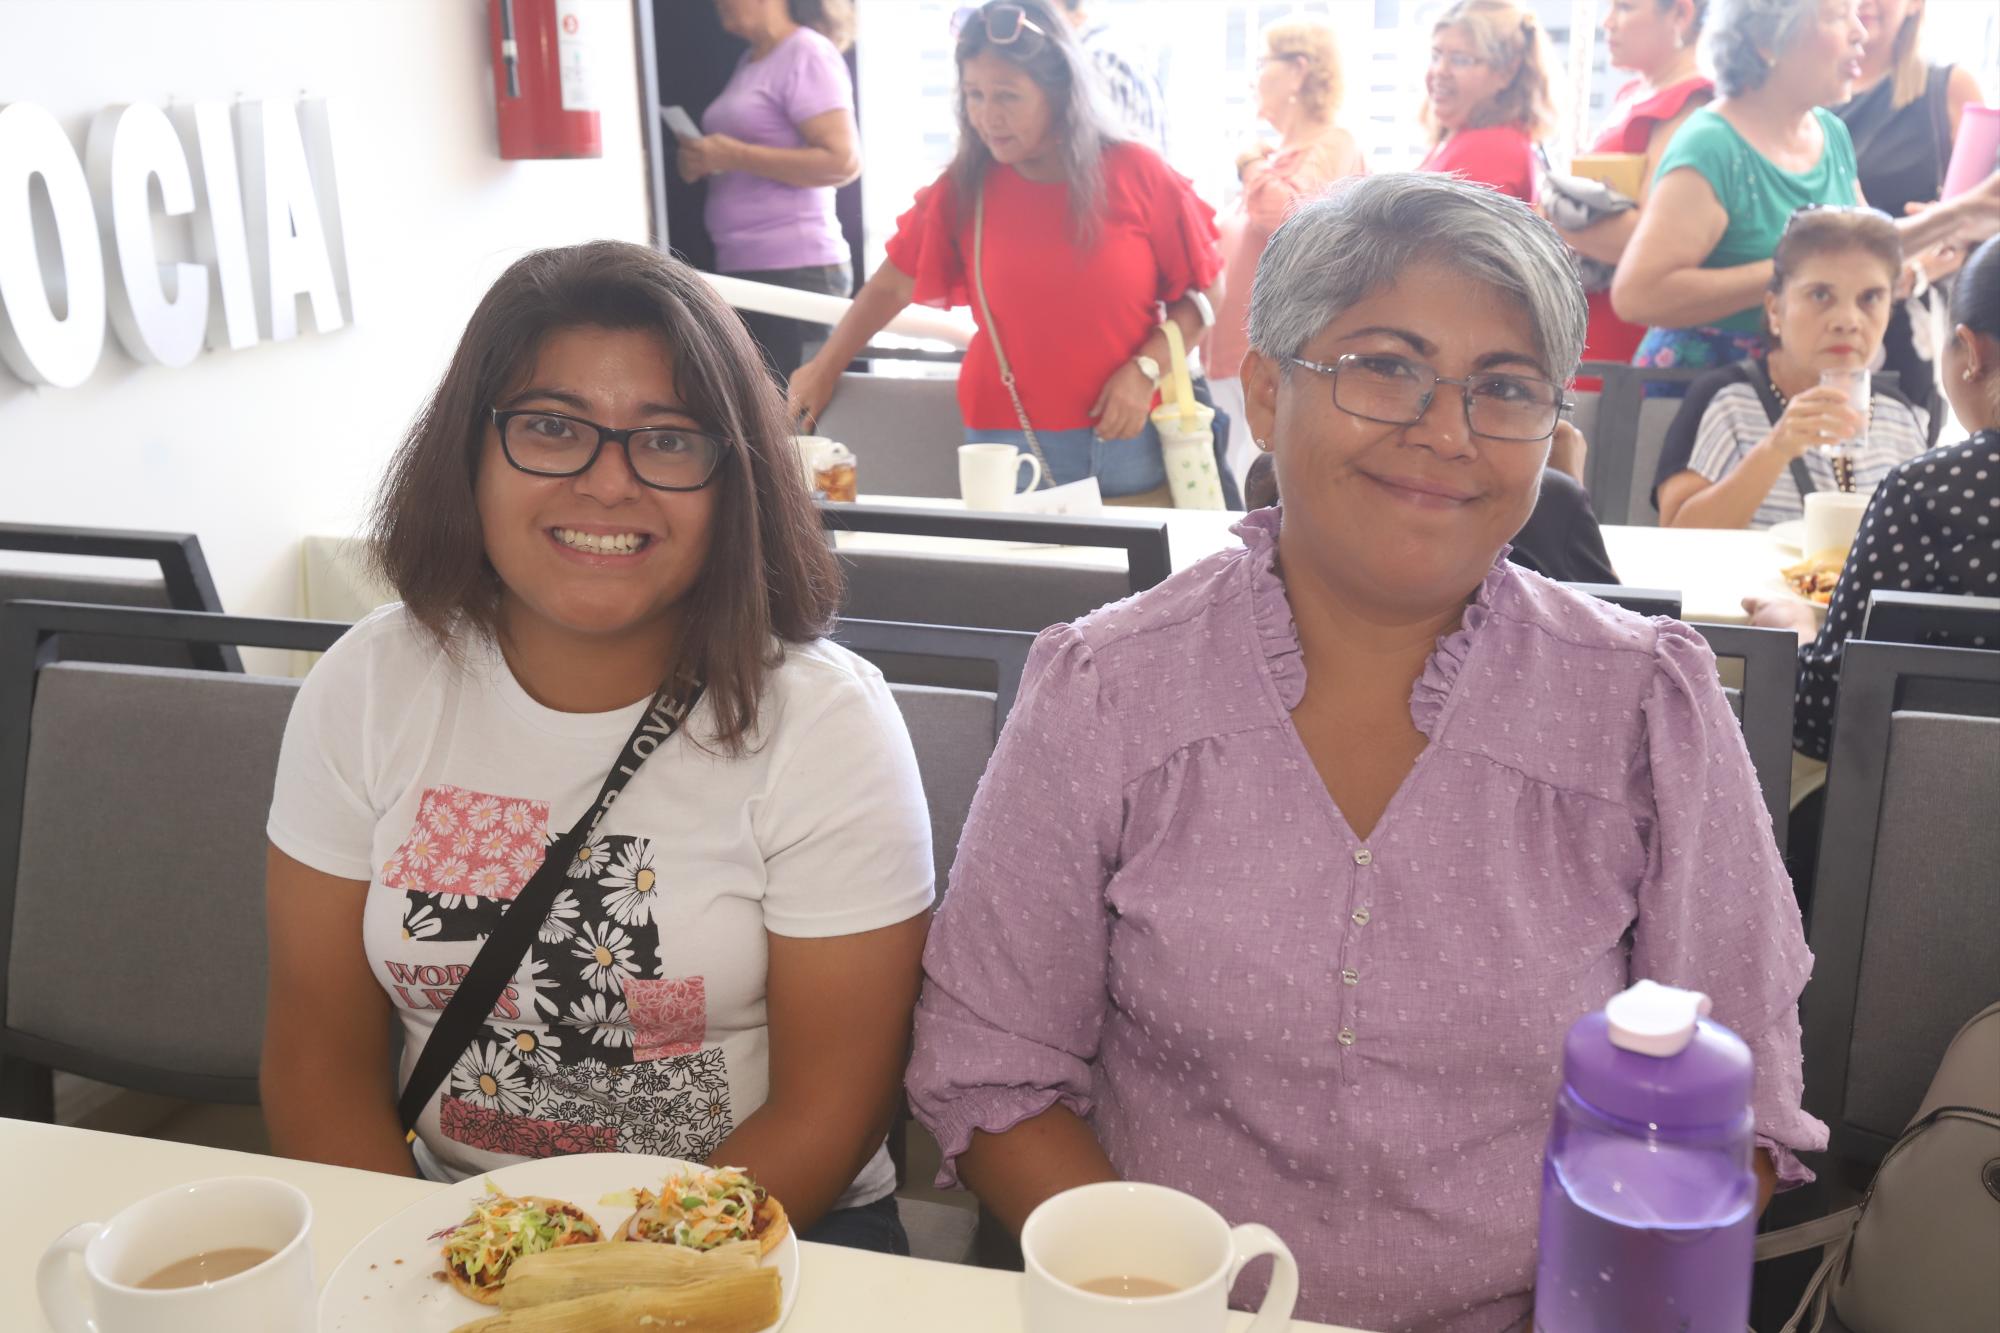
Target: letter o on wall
x=34 y=343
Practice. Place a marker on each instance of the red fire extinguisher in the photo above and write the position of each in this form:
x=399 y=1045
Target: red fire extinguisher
x=541 y=76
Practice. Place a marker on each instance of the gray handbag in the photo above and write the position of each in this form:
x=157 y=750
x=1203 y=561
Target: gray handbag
x=1921 y=1251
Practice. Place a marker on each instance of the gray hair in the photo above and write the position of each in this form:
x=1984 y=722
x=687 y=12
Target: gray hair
x=1744 y=38
x=1358 y=238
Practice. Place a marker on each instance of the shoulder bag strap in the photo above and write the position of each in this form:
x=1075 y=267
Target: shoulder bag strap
x=993 y=330
x=472 y=1004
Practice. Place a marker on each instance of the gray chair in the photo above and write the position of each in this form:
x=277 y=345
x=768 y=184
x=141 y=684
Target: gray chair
x=182 y=583
x=904 y=432
x=1930 y=617
x=987 y=593
x=132 y=808
x=1631 y=429
x=1763 y=706
x=1903 y=926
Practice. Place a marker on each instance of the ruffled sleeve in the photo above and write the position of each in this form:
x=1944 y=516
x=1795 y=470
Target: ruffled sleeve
x=1270 y=609
x=1186 y=243
x=1716 y=911
x=926 y=247
x=1015 y=972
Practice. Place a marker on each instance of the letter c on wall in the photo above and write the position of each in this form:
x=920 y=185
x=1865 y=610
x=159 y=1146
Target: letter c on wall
x=37 y=345
x=127 y=147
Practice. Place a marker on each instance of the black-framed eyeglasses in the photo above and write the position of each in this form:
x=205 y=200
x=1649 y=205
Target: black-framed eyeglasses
x=1004 y=23
x=1397 y=391
x=555 y=444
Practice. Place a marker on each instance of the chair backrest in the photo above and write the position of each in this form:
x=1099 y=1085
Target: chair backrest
x=1631 y=427
x=132 y=810
x=1908 y=887
x=1763 y=707
x=1929 y=617
x=904 y=432
x=992 y=660
x=1641 y=601
x=183 y=583
x=953 y=734
x=991 y=591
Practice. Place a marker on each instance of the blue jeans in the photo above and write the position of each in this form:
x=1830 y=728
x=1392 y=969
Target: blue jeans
x=1122 y=467
x=872 y=1226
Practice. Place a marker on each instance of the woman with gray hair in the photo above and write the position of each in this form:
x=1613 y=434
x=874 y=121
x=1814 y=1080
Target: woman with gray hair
x=1699 y=263
x=1066 y=241
x=1288 y=875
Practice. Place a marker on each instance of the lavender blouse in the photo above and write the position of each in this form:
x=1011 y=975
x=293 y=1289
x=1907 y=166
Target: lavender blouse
x=1159 y=918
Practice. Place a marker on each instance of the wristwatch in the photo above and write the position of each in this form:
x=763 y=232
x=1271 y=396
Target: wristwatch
x=1147 y=367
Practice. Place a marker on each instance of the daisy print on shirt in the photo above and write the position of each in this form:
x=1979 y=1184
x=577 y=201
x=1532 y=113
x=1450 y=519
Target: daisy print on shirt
x=590 y=1048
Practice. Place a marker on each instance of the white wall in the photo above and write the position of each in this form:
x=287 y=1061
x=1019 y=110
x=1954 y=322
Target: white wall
x=252 y=449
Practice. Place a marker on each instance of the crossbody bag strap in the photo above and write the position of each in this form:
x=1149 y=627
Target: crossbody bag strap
x=1774 y=407
x=472 y=1004
x=993 y=330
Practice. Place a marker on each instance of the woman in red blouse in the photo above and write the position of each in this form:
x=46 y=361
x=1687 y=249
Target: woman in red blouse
x=1085 y=237
x=1486 y=95
x=1655 y=39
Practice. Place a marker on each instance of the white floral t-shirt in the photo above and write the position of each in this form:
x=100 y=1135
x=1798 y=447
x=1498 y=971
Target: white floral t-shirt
x=636 y=1022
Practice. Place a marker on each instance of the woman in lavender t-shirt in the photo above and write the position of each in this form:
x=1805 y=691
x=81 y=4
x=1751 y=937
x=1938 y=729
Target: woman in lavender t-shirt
x=776 y=143
x=1289 y=875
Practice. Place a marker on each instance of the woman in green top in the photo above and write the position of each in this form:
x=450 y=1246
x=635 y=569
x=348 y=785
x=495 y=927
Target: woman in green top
x=1699 y=264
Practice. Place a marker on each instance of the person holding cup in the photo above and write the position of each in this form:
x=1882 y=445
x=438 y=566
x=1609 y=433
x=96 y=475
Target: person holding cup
x=1927 y=528
x=1066 y=240
x=1288 y=875
x=1753 y=439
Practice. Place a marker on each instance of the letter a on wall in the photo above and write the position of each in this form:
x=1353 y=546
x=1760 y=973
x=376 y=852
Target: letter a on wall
x=288 y=243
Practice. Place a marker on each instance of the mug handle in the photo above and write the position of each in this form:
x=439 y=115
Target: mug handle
x=1035 y=466
x=55 y=1280
x=1246 y=1243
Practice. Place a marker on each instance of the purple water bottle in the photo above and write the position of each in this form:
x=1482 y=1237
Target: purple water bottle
x=1649 y=1200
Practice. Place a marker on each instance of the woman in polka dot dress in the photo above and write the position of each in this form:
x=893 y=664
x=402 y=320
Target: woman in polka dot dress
x=1934 y=524
x=1289 y=875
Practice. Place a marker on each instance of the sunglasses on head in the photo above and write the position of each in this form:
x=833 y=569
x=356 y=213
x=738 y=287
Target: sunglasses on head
x=1004 y=23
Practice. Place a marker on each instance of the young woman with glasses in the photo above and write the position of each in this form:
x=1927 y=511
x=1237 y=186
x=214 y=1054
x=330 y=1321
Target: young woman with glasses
x=1078 y=239
x=1335 y=835
x=599 y=503
x=1487 y=100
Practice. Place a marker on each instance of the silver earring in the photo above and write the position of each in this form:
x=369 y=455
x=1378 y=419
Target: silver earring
x=1264 y=448
x=1965 y=375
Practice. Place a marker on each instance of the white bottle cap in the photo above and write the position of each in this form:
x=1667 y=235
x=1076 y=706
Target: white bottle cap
x=1652 y=1019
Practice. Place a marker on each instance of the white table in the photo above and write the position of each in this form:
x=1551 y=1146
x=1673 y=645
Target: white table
x=1713 y=569
x=52 y=1177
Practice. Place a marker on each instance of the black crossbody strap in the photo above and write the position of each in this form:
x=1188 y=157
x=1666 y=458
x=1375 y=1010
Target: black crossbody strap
x=472 y=1004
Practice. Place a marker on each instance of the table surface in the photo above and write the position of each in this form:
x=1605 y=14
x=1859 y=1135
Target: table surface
x=54 y=1177
x=1713 y=569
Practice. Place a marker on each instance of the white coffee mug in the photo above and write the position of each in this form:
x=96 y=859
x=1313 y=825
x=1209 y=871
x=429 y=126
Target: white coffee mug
x=275 y=1296
x=989 y=475
x=1832 y=520
x=1162 y=1238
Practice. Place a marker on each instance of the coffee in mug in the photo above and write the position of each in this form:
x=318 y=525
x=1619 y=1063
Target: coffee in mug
x=989 y=475
x=1124 y=1257
x=216 y=1254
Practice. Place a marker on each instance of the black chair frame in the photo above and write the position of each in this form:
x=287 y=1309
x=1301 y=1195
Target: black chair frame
x=1148 y=554
x=1608 y=465
x=30 y=638
x=1921 y=617
x=1876 y=680
x=183 y=569
x=1770 y=675
x=1006 y=649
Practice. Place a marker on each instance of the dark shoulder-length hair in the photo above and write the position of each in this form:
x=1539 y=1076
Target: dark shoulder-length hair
x=1059 y=67
x=768 y=580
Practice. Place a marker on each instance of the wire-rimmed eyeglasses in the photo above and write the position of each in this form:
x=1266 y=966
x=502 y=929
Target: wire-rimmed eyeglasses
x=1398 y=391
x=555 y=444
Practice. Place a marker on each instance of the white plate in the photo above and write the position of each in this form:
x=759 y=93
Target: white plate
x=1791 y=534
x=386 y=1283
